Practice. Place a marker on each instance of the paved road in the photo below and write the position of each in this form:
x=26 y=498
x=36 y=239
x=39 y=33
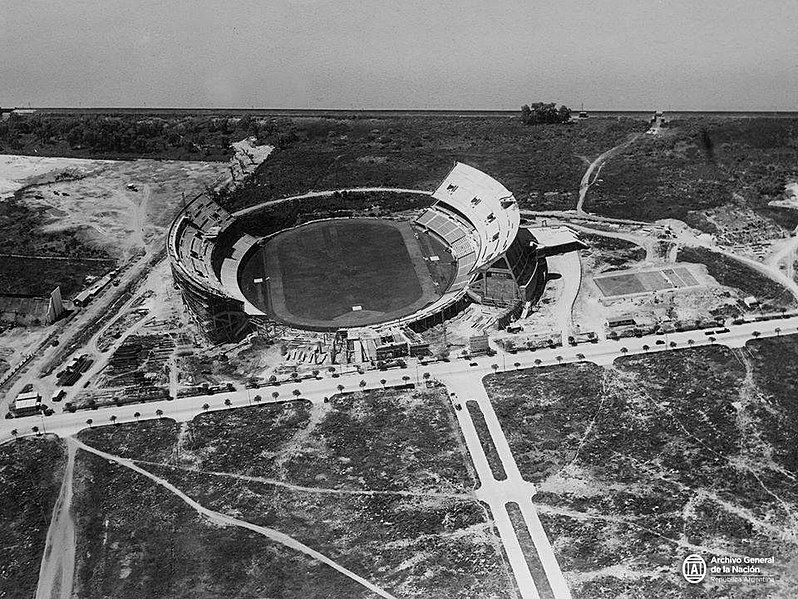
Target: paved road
x=465 y=381
x=316 y=390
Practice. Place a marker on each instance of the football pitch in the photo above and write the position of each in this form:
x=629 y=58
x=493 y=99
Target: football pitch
x=342 y=272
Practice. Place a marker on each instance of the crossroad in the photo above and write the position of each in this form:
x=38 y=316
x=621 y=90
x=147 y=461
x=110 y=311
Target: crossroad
x=463 y=381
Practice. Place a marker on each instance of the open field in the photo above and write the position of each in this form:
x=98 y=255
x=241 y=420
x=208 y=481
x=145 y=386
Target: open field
x=699 y=163
x=645 y=281
x=317 y=154
x=342 y=271
x=39 y=276
x=642 y=463
x=30 y=479
x=138 y=540
x=608 y=253
x=326 y=475
x=732 y=273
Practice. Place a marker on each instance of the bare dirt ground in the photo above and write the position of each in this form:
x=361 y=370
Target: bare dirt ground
x=18 y=171
x=124 y=219
x=58 y=562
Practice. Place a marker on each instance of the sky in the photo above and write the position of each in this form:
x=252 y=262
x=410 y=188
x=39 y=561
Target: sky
x=404 y=54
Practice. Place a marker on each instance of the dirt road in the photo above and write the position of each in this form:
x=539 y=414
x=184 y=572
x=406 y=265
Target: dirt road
x=57 y=569
x=589 y=178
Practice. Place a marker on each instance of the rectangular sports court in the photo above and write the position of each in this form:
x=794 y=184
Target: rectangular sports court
x=645 y=281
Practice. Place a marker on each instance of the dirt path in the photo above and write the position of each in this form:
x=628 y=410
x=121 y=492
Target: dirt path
x=292 y=487
x=225 y=520
x=589 y=177
x=58 y=561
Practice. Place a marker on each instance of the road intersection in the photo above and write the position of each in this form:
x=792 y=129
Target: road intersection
x=463 y=380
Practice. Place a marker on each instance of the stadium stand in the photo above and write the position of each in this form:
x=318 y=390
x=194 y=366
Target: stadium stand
x=476 y=217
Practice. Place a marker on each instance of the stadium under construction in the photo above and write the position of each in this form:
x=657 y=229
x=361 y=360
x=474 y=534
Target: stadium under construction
x=405 y=272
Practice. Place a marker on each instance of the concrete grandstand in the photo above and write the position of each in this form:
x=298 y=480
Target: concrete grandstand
x=469 y=238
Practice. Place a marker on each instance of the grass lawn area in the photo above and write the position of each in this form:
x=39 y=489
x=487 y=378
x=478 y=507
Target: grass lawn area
x=342 y=272
x=329 y=267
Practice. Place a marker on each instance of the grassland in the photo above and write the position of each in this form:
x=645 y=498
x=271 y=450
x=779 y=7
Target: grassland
x=30 y=479
x=321 y=259
x=413 y=152
x=732 y=273
x=609 y=253
x=377 y=481
x=23 y=235
x=701 y=163
x=137 y=540
x=70 y=275
x=656 y=457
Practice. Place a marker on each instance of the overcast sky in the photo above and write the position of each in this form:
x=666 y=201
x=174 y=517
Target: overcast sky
x=489 y=54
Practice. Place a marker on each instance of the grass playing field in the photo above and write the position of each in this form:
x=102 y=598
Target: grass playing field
x=629 y=283
x=343 y=272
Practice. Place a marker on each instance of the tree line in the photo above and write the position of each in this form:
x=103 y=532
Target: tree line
x=541 y=113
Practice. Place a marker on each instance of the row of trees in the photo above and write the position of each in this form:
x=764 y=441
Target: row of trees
x=131 y=134
x=541 y=113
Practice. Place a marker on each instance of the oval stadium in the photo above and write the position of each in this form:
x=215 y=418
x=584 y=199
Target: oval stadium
x=272 y=264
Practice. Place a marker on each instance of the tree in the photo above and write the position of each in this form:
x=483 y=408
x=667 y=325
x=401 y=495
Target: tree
x=777 y=330
x=580 y=356
x=206 y=407
x=137 y=415
x=646 y=347
x=297 y=392
x=35 y=429
x=624 y=350
x=228 y=402
x=257 y=398
x=315 y=373
x=89 y=421
x=113 y=418
x=405 y=378
x=331 y=369
x=14 y=433
x=383 y=382
x=672 y=344
x=756 y=334
x=340 y=388
x=362 y=383
x=538 y=361
x=495 y=367
x=541 y=113
x=275 y=395
x=559 y=359
x=426 y=376
x=691 y=341
x=517 y=364
x=159 y=412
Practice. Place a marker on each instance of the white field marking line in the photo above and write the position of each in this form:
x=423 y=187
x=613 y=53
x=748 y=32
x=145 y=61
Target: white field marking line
x=293 y=487
x=226 y=520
